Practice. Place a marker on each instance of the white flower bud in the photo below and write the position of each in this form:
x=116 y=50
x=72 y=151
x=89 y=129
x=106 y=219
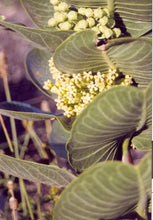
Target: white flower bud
x=60 y=17
x=106 y=31
x=63 y=6
x=98 y=13
x=81 y=25
x=82 y=11
x=54 y=2
x=91 y=22
x=103 y=21
x=117 y=32
x=52 y=22
x=96 y=29
x=65 y=26
x=72 y=15
x=89 y=12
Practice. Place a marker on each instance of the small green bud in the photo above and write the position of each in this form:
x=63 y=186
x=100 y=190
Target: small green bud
x=72 y=15
x=117 y=32
x=65 y=26
x=82 y=11
x=81 y=25
x=111 y=22
x=54 y=2
x=60 y=17
x=106 y=10
x=63 y=6
x=98 y=13
x=52 y=22
x=91 y=22
x=89 y=12
x=103 y=21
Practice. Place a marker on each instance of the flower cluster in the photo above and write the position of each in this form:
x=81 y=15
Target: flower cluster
x=68 y=18
x=76 y=91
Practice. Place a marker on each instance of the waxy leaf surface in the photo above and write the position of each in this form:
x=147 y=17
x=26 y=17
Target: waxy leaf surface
x=40 y=38
x=130 y=55
x=37 y=67
x=108 y=190
x=39 y=173
x=39 y=11
x=98 y=132
x=22 y=111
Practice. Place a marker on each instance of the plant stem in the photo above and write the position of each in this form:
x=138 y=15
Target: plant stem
x=110 y=5
x=6 y=134
x=27 y=199
x=126 y=156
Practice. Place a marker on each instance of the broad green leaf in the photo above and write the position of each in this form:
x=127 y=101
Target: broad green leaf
x=98 y=132
x=108 y=190
x=130 y=55
x=43 y=39
x=136 y=16
x=36 y=172
x=38 y=69
x=58 y=139
x=143 y=140
x=22 y=111
x=39 y=11
x=89 y=3
x=133 y=17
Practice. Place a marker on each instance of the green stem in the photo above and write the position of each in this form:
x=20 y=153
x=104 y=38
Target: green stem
x=6 y=134
x=110 y=5
x=38 y=201
x=27 y=200
x=126 y=156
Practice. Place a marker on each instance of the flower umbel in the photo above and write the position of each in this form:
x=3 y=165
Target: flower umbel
x=76 y=91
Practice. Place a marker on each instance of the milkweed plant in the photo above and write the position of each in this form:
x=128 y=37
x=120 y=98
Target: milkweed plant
x=94 y=61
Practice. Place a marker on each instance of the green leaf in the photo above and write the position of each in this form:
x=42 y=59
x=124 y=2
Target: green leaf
x=39 y=11
x=46 y=174
x=132 y=56
x=43 y=39
x=108 y=190
x=22 y=111
x=134 y=16
x=38 y=69
x=98 y=132
x=58 y=139
x=89 y=3
x=143 y=141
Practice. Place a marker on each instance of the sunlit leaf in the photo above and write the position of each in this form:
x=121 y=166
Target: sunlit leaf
x=43 y=39
x=98 y=132
x=36 y=172
x=143 y=140
x=130 y=55
x=39 y=11
x=22 y=111
x=108 y=190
